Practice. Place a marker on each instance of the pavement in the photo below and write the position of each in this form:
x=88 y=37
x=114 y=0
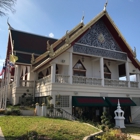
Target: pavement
x=134 y=125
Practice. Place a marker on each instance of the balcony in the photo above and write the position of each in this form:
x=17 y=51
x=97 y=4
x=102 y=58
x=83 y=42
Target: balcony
x=65 y=79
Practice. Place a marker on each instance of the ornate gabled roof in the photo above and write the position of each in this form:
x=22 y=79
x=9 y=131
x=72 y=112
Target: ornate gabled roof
x=69 y=40
x=59 y=43
x=26 y=43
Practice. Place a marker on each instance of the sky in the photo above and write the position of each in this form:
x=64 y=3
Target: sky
x=54 y=17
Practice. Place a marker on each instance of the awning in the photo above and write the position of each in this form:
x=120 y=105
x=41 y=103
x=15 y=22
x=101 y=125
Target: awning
x=88 y=101
x=113 y=101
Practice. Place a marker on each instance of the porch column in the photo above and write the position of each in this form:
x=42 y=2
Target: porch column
x=53 y=72
x=17 y=75
x=138 y=79
x=127 y=73
x=28 y=72
x=70 y=67
x=102 y=70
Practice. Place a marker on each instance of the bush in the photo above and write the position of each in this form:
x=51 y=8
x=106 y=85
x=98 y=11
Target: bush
x=106 y=121
x=13 y=112
x=114 y=134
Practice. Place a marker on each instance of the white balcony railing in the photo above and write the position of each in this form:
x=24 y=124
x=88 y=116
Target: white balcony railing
x=61 y=78
x=43 y=81
x=85 y=80
x=116 y=83
x=26 y=83
x=134 y=84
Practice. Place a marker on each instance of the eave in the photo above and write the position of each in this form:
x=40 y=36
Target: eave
x=74 y=37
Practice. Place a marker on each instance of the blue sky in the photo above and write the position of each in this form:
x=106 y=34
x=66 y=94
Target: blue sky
x=54 y=17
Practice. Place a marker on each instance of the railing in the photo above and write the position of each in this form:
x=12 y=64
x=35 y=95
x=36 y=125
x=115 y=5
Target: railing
x=44 y=80
x=116 y=83
x=61 y=78
x=134 y=84
x=85 y=80
x=26 y=83
x=60 y=113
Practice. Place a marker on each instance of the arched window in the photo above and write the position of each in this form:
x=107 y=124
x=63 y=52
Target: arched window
x=79 y=69
x=107 y=73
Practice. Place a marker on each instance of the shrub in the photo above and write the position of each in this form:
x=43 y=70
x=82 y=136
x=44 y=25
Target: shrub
x=106 y=121
x=114 y=134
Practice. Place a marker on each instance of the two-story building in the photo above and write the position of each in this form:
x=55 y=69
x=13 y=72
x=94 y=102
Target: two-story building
x=84 y=67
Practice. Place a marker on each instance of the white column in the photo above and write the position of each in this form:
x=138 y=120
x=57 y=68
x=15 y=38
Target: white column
x=17 y=75
x=28 y=72
x=138 y=79
x=53 y=72
x=70 y=67
x=127 y=73
x=102 y=70
x=24 y=69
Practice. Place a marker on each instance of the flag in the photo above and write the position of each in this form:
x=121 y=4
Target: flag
x=3 y=70
x=13 y=59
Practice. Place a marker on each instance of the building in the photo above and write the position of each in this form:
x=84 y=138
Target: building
x=83 y=69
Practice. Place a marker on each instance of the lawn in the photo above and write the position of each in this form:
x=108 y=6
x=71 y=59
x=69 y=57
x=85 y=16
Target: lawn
x=14 y=127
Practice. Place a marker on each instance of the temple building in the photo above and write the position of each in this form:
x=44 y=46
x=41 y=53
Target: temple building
x=85 y=68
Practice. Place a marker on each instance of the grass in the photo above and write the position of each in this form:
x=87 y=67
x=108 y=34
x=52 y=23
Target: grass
x=132 y=130
x=14 y=127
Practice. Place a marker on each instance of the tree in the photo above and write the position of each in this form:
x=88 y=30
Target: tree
x=6 y=5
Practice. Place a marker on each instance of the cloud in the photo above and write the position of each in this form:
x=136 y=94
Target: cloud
x=51 y=35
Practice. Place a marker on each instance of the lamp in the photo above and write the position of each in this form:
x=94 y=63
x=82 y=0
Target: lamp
x=63 y=61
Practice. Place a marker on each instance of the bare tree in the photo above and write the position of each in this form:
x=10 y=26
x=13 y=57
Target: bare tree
x=6 y=5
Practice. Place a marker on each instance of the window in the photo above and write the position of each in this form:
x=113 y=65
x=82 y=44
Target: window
x=62 y=101
x=107 y=73
x=79 y=69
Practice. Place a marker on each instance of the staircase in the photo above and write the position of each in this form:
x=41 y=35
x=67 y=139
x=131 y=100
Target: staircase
x=60 y=113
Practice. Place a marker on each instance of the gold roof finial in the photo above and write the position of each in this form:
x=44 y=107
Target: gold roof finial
x=10 y=27
x=105 y=5
x=82 y=20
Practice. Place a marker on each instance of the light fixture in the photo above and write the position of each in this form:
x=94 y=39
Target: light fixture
x=63 y=61
x=83 y=58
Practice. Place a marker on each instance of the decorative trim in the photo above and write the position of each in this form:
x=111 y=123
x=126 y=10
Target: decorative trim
x=99 y=52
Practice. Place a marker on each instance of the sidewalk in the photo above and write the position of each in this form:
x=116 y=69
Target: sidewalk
x=134 y=136
x=1 y=135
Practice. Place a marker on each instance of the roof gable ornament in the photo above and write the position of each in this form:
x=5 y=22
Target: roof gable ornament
x=105 y=5
x=10 y=27
x=135 y=53
x=50 y=50
x=82 y=20
x=32 y=58
x=67 y=38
